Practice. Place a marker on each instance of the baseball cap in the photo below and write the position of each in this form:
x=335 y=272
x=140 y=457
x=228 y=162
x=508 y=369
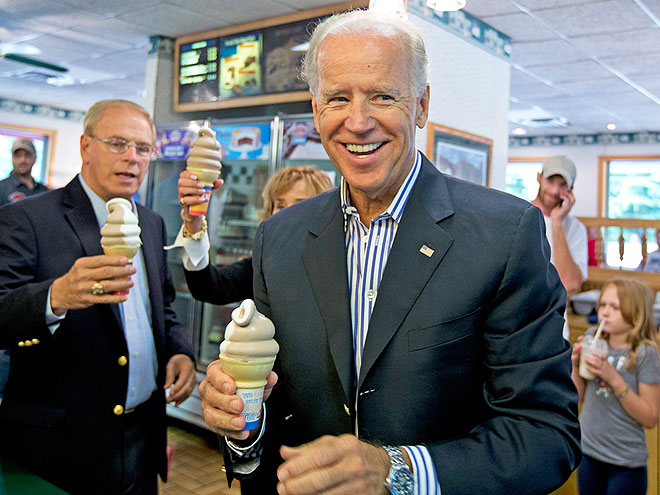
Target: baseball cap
x=23 y=144
x=560 y=165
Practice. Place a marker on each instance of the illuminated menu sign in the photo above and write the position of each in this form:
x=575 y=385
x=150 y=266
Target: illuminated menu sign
x=198 y=71
x=256 y=65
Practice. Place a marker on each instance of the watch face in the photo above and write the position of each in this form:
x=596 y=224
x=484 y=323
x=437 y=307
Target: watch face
x=402 y=483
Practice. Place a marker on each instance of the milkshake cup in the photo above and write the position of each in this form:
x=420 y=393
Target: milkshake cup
x=204 y=162
x=247 y=355
x=590 y=345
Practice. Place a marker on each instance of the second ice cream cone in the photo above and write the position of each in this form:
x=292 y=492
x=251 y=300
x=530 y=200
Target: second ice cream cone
x=204 y=162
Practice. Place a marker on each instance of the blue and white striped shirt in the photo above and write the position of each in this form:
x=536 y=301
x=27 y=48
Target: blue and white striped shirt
x=367 y=249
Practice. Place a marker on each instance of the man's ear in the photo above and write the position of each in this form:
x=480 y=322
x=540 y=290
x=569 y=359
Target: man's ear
x=423 y=108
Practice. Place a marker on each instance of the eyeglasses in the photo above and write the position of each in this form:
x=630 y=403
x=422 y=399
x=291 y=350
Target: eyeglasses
x=119 y=146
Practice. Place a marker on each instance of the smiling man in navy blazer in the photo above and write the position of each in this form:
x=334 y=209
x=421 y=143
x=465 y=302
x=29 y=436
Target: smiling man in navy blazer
x=84 y=405
x=418 y=316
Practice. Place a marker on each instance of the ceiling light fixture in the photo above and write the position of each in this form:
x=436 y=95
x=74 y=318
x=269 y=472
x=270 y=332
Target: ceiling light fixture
x=519 y=131
x=611 y=127
x=446 y=5
x=398 y=7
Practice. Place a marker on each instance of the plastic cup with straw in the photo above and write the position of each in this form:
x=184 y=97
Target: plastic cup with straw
x=592 y=345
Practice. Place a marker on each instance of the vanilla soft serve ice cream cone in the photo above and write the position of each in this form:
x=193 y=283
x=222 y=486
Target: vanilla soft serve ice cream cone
x=247 y=355
x=204 y=162
x=120 y=236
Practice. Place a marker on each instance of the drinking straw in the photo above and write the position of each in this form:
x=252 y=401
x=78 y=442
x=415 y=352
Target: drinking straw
x=600 y=327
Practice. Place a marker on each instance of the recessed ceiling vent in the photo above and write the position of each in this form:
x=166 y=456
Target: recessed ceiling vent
x=537 y=118
x=38 y=77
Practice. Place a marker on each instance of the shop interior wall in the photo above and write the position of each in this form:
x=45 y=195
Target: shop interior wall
x=65 y=162
x=586 y=161
x=469 y=91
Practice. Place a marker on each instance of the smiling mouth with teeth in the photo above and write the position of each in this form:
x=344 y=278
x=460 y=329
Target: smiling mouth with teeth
x=363 y=149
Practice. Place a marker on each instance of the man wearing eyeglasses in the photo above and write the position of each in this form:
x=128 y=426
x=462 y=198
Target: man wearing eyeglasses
x=91 y=370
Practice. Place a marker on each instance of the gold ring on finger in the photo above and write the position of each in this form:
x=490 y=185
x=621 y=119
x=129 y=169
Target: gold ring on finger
x=97 y=289
x=181 y=202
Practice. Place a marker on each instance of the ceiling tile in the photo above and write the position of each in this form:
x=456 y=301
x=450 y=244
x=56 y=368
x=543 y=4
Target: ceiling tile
x=576 y=71
x=620 y=44
x=51 y=15
x=485 y=9
x=646 y=63
x=520 y=27
x=170 y=20
x=530 y=54
x=604 y=18
x=109 y=8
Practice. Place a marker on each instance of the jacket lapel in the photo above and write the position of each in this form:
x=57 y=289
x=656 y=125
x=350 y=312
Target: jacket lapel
x=80 y=215
x=324 y=259
x=408 y=268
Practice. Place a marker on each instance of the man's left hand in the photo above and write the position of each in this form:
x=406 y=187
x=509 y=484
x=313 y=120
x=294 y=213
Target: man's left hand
x=332 y=466
x=180 y=375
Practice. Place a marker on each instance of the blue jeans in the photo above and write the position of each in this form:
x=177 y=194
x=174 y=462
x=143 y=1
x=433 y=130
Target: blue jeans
x=600 y=478
x=4 y=370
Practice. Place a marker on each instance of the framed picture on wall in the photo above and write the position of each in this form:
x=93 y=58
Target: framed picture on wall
x=459 y=153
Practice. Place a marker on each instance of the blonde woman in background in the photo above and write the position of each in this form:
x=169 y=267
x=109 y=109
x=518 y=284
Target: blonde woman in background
x=231 y=283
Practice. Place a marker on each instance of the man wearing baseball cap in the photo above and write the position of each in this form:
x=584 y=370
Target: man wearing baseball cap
x=566 y=234
x=17 y=186
x=20 y=183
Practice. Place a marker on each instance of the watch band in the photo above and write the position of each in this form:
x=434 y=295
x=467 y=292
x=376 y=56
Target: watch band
x=400 y=480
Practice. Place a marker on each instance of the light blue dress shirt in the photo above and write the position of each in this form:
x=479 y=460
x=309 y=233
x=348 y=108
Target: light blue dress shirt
x=136 y=320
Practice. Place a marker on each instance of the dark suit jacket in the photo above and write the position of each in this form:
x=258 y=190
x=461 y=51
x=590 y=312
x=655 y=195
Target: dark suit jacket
x=57 y=413
x=464 y=352
x=222 y=285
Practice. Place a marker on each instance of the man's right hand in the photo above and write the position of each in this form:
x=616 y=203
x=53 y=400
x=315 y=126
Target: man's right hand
x=73 y=290
x=222 y=408
x=190 y=192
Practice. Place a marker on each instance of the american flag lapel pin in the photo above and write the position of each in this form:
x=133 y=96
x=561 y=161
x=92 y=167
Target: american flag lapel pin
x=426 y=251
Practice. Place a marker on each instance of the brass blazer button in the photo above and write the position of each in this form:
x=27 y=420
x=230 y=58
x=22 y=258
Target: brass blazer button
x=118 y=410
x=28 y=343
x=21 y=344
x=122 y=360
x=35 y=341
x=348 y=411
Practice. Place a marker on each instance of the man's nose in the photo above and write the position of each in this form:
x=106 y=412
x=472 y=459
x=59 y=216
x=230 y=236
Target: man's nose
x=360 y=118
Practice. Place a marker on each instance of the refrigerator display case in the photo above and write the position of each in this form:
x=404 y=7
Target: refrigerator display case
x=252 y=150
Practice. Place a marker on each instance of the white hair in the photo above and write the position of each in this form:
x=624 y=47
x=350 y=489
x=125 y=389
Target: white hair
x=369 y=23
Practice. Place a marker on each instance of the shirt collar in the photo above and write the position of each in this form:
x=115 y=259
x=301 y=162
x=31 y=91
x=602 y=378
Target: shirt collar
x=396 y=207
x=98 y=205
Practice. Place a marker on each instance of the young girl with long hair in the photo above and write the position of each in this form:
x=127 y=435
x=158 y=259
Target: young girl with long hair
x=624 y=398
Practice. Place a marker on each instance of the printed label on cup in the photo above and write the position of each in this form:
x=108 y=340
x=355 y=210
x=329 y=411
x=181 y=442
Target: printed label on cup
x=252 y=399
x=200 y=209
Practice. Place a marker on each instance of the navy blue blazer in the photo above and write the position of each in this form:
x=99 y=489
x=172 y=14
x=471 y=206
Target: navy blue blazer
x=464 y=352
x=61 y=393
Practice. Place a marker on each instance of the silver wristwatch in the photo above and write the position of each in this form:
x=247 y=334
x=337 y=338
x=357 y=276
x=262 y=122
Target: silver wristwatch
x=400 y=480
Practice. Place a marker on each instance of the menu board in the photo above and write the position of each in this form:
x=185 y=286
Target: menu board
x=198 y=71
x=253 y=64
x=240 y=65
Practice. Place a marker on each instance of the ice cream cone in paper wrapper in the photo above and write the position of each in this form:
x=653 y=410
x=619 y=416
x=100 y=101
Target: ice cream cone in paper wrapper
x=204 y=162
x=247 y=355
x=120 y=236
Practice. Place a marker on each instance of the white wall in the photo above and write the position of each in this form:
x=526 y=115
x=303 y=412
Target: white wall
x=586 y=161
x=469 y=91
x=65 y=161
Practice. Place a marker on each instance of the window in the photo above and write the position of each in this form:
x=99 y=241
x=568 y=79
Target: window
x=631 y=188
x=42 y=140
x=520 y=177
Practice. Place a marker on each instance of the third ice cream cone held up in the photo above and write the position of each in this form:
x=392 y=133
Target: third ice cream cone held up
x=204 y=162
